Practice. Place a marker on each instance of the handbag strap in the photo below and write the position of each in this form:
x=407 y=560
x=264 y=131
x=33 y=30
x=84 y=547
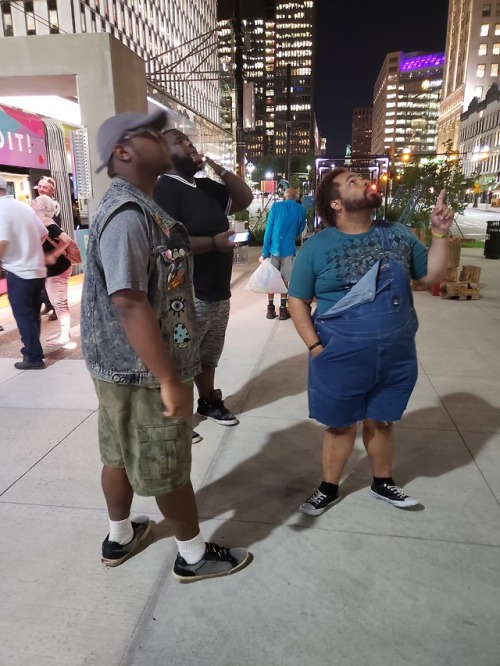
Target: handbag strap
x=55 y=244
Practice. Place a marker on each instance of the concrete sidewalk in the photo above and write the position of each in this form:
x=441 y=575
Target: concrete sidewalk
x=363 y=584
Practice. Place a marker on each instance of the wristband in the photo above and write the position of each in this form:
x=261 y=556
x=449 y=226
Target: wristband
x=316 y=344
x=222 y=173
x=436 y=235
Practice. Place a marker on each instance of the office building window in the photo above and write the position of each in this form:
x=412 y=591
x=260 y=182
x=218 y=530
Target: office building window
x=497 y=29
x=480 y=71
x=483 y=49
x=8 y=30
x=478 y=92
x=29 y=17
x=496 y=48
x=486 y=10
x=494 y=69
x=83 y=19
x=485 y=30
x=497 y=13
x=53 y=18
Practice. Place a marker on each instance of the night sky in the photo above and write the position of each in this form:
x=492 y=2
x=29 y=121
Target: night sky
x=352 y=40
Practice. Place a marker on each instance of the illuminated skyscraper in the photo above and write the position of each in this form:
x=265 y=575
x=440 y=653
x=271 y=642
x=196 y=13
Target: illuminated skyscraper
x=294 y=46
x=362 y=131
x=282 y=35
x=406 y=102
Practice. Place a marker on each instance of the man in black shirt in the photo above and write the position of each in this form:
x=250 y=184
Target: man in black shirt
x=203 y=205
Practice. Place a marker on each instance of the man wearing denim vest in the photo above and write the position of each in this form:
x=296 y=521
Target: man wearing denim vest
x=140 y=344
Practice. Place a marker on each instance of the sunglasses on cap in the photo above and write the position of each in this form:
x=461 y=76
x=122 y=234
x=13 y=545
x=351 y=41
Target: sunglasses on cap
x=142 y=131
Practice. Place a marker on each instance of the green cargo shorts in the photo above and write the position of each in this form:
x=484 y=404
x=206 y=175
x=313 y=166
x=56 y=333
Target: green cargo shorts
x=133 y=435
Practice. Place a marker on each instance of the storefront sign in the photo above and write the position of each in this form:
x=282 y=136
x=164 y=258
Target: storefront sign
x=22 y=139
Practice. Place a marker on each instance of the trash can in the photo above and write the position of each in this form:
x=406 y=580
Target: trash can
x=492 y=242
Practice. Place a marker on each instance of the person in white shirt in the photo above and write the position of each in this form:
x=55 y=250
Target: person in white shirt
x=21 y=256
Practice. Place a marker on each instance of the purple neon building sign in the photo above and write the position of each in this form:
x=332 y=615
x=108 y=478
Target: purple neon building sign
x=422 y=62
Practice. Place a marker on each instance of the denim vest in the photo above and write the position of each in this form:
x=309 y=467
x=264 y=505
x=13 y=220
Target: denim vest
x=106 y=349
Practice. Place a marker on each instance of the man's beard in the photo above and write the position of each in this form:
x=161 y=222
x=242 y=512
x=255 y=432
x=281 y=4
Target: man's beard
x=185 y=165
x=370 y=201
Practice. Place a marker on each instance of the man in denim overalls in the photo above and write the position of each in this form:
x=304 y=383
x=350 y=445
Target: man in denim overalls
x=361 y=337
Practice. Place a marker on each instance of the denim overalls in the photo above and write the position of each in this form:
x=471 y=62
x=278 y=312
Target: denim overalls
x=368 y=368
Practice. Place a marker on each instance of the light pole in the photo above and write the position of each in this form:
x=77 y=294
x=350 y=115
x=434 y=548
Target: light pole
x=270 y=188
x=250 y=170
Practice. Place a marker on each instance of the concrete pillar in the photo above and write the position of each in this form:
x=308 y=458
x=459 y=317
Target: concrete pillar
x=105 y=75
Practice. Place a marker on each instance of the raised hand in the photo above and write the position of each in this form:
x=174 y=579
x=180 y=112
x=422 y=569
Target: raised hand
x=441 y=215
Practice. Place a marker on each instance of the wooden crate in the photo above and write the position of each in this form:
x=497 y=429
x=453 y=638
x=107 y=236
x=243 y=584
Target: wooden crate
x=470 y=274
x=451 y=275
x=455 y=249
x=462 y=291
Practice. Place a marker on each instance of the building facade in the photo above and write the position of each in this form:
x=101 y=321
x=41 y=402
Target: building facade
x=406 y=103
x=472 y=61
x=110 y=56
x=362 y=131
x=479 y=136
x=176 y=38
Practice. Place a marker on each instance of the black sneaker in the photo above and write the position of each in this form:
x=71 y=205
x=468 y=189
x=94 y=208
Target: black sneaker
x=114 y=554
x=30 y=365
x=196 y=437
x=318 y=503
x=392 y=494
x=217 y=561
x=214 y=409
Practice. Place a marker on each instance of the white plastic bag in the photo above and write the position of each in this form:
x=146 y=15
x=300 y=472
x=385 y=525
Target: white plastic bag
x=266 y=280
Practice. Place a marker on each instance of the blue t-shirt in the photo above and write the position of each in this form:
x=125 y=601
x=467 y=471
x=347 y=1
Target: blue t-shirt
x=331 y=262
x=286 y=221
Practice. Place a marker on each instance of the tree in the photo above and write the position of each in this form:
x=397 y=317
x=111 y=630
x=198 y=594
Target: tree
x=268 y=163
x=427 y=179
